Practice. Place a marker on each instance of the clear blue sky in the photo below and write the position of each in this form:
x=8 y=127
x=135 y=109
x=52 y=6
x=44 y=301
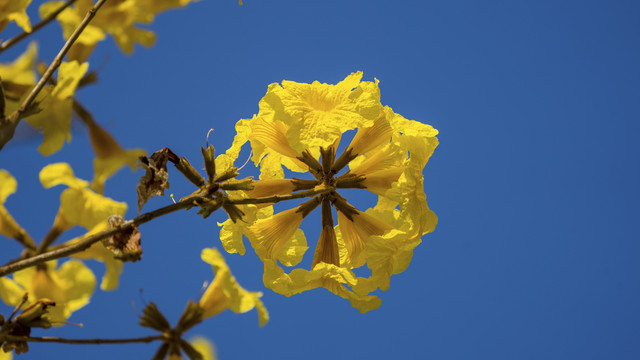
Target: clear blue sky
x=535 y=182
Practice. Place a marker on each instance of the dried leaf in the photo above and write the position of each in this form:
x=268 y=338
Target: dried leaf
x=156 y=178
x=126 y=245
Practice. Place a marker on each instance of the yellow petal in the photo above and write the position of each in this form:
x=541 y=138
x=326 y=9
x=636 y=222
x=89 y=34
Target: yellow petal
x=55 y=118
x=88 y=209
x=236 y=298
x=98 y=252
x=329 y=276
x=269 y=236
x=60 y=173
x=273 y=135
x=70 y=287
x=10 y=292
x=204 y=347
x=21 y=71
x=378 y=182
x=8 y=226
x=16 y=10
x=317 y=114
x=327 y=248
x=371 y=137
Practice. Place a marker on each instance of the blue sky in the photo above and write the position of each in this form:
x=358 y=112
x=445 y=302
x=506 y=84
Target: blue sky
x=535 y=181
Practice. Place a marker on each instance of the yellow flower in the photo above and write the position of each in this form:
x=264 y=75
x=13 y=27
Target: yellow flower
x=70 y=287
x=118 y=18
x=296 y=124
x=100 y=253
x=317 y=114
x=8 y=226
x=81 y=206
x=15 y=10
x=110 y=156
x=55 y=118
x=225 y=292
x=204 y=347
x=18 y=77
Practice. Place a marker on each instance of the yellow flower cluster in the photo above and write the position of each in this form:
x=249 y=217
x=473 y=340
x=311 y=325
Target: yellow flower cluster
x=299 y=127
x=119 y=18
x=70 y=286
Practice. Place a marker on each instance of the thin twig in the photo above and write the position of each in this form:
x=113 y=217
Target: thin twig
x=16 y=39
x=15 y=117
x=90 y=240
x=53 y=339
x=278 y=198
x=51 y=236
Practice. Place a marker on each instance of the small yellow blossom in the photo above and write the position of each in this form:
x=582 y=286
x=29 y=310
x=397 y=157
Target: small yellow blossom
x=204 y=347
x=15 y=10
x=225 y=292
x=55 y=119
x=70 y=287
x=110 y=156
x=81 y=206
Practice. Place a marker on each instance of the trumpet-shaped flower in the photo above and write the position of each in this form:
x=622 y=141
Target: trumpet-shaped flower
x=70 y=287
x=15 y=10
x=81 y=206
x=110 y=156
x=225 y=292
x=55 y=119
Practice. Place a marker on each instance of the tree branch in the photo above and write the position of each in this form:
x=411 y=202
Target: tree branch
x=53 y=339
x=10 y=123
x=16 y=39
x=190 y=201
x=92 y=239
x=278 y=198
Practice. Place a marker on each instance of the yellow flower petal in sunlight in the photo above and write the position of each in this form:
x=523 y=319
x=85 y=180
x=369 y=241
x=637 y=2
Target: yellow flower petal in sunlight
x=272 y=237
x=21 y=71
x=204 y=347
x=8 y=226
x=70 y=287
x=371 y=137
x=110 y=156
x=117 y=18
x=271 y=234
x=98 y=252
x=79 y=205
x=274 y=136
x=225 y=292
x=317 y=114
x=329 y=276
x=15 y=10
x=55 y=118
